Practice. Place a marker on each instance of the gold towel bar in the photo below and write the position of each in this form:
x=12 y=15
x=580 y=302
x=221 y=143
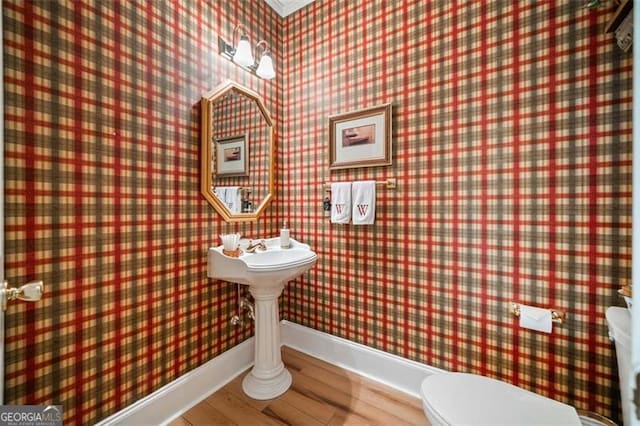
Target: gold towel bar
x=556 y=316
x=391 y=183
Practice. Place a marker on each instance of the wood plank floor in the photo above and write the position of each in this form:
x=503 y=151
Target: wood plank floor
x=321 y=394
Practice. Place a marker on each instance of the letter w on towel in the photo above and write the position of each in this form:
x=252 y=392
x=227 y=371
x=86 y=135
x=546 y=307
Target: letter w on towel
x=364 y=202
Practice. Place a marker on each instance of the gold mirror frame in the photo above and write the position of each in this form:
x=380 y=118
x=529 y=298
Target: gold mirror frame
x=206 y=181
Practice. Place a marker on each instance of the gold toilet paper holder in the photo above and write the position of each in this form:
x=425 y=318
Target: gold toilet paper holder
x=556 y=316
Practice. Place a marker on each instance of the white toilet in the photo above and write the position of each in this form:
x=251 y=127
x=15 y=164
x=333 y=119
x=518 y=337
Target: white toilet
x=470 y=399
x=619 y=320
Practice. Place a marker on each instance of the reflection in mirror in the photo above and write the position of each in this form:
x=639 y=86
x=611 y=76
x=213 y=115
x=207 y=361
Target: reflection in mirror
x=237 y=163
x=241 y=148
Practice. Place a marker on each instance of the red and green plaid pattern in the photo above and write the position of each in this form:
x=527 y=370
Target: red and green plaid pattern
x=512 y=150
x=102 y=197
x=512 y=132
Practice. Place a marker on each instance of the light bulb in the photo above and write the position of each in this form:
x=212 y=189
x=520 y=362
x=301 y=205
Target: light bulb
x=243 y=55
x=265 y=67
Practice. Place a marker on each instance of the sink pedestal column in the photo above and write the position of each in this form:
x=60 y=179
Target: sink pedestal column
x=268 y=378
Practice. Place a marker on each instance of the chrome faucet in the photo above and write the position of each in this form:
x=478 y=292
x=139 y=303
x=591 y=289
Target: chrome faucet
x=253 y=246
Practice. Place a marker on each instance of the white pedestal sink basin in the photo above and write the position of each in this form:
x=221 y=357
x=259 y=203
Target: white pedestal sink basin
x=265 y=272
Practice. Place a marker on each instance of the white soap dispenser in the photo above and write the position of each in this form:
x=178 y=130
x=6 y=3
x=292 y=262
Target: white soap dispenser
x=285 y=242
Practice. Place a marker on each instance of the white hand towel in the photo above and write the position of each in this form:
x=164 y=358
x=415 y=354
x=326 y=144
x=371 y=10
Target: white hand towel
x=340 y=202
x=364 y=202
x=221 y=192
x=233 y=199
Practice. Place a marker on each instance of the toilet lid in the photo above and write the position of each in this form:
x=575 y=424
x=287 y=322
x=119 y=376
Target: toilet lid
x=469 y=399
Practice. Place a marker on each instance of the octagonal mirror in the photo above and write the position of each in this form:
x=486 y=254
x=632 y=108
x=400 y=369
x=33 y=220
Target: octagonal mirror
x=237 y=146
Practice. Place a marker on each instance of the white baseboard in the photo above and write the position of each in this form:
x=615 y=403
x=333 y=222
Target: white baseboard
x=170 y=401
x=391 y=370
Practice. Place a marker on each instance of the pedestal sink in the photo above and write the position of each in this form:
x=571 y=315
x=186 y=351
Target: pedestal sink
x=265 y=272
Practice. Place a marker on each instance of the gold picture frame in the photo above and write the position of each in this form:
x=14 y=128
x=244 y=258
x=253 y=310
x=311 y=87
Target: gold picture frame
x=360 y=138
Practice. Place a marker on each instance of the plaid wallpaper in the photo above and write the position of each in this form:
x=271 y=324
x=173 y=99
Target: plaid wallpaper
x=512 y=150
x=102 y=197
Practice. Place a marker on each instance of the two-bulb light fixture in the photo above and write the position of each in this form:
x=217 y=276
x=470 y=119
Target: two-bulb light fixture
x=242 y=54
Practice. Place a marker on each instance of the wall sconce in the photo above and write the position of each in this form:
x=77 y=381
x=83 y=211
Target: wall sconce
x=265 y=66
x=243 y=55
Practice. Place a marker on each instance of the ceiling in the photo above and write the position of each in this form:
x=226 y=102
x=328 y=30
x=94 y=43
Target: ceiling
x=287 y=7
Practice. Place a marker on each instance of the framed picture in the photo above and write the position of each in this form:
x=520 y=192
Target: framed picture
x=232 y=156
x=360 y=138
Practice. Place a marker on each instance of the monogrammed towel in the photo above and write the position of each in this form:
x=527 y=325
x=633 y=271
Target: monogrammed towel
x=340 y=202
x=363 y=198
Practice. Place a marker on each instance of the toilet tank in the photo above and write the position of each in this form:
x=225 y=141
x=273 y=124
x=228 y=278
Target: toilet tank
x=619 y=320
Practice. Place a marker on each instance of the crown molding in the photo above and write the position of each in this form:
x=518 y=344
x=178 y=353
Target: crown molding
x=287 y=7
